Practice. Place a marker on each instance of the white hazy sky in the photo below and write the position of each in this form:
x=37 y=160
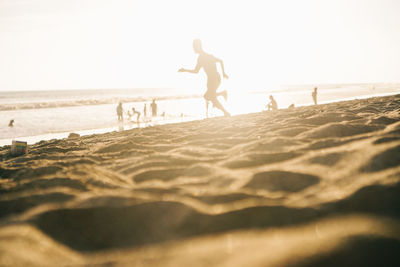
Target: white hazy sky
x=56 y=44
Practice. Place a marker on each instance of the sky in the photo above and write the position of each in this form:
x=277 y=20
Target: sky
x=80 y=44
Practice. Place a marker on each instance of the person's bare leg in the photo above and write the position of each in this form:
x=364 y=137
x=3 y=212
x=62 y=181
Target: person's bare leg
x=211 y=94
x=219 y=106
x=207 y=108
x=224 y=94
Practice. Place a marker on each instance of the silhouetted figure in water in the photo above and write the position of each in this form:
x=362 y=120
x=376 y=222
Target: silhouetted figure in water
x=145 y=111
x=209 y=64
x=120 y=111
x=272 y=105
x=314 y=95
x=11 y=123
x=134 y=112
x=153 y=106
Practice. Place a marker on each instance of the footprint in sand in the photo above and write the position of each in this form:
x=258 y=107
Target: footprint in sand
x=282 y=181
x=385 y=160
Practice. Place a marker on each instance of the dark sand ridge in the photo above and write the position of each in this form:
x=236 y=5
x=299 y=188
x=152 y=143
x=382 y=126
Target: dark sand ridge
x=173 y=194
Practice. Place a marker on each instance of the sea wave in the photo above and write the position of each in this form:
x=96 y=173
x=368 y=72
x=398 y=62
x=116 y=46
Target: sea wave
x=88 y=102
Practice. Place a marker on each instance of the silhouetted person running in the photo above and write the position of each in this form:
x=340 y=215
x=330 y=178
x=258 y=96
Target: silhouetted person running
x=120 y=111
x=153 y=106
x=209 y=64
x=314 y=95
x=272 y=105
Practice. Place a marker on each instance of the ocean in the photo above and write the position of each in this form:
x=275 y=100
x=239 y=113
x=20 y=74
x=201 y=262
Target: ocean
x=44 y=115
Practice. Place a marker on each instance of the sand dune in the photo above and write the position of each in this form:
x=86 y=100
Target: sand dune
x=313 y=186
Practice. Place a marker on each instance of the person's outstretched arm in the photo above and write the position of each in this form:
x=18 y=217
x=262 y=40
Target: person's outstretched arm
x=222 y=67
x=195 y=70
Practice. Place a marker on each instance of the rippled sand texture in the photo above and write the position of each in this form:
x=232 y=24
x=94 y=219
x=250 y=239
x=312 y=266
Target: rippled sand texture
x=313 y=186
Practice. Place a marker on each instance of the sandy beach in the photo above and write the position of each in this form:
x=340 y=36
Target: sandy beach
x=310 y=186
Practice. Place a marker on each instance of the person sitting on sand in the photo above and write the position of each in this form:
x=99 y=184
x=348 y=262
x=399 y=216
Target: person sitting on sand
x=272 y=105
x=153 y=106
x=209 y=64
x=119 y=112
x=11 y=123
x=314 y=95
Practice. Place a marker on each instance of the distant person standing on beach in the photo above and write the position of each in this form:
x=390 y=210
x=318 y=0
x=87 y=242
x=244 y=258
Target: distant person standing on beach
x=120 y=112
x=153 y=106
x=272 y=105
x=145 y=110
x=209 y=64
x=314 y=95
